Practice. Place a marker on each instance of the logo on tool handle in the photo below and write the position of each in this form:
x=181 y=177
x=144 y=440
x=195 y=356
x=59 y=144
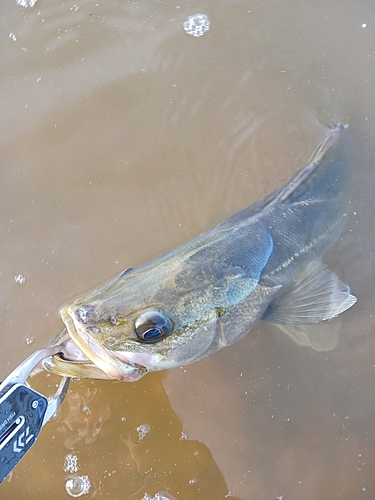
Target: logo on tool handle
x=24 y=438
x=22 y=411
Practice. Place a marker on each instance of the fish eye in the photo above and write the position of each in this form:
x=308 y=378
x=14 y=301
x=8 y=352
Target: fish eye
x=152 y=326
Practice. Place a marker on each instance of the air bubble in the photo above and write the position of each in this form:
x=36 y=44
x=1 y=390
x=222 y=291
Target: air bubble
x=26 y=3
x=20 y=279
x=71 y=463
x=159 y=496
x=78 y=486
x=197 y=24
x=142 y=431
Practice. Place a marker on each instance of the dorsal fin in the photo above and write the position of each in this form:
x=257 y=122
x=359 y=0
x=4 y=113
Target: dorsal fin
x=330 y=139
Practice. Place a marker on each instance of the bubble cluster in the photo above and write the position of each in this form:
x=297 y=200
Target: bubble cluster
x=142 y=431
x=26 y=3
x=87 y=410
x=20 y=279
x=197 y=24
x=159 y=496
x=75 y=486
x=71 y=463
x=78 y=486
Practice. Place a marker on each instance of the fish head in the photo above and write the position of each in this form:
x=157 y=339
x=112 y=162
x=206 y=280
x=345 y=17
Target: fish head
x=141 y=322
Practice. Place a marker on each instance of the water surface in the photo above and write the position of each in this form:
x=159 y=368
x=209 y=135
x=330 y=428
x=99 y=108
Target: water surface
x=122 y=137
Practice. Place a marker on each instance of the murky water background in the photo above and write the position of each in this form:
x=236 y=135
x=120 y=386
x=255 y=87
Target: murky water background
x=122 y=137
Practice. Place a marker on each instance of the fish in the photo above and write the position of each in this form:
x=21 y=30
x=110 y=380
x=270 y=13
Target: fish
x=262 y=263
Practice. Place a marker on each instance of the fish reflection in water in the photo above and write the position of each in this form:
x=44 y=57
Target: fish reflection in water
x=264 y=262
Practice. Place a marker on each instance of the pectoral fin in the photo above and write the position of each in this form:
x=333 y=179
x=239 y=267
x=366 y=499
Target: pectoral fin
x=317 y=295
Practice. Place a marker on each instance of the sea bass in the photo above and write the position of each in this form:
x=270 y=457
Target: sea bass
x=264 y=262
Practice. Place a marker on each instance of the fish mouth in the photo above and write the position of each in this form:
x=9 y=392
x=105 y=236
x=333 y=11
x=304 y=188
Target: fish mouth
x=85 y=357
x=73 y=363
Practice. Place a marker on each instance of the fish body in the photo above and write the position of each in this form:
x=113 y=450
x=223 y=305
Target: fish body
x=263 y=262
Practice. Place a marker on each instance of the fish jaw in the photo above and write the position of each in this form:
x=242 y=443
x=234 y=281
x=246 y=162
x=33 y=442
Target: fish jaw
x=85 y=357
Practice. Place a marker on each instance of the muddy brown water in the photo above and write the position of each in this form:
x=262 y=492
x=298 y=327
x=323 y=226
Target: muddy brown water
x=122 y=137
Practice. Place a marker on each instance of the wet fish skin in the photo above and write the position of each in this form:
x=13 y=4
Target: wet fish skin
x=263 y=262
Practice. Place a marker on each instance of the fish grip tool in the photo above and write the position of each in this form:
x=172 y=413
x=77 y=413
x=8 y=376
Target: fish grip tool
x=24 y=411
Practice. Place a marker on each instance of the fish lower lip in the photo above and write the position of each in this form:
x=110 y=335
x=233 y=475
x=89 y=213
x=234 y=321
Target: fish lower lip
x=75 y=363
x=73 y=354
x=83 y=367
